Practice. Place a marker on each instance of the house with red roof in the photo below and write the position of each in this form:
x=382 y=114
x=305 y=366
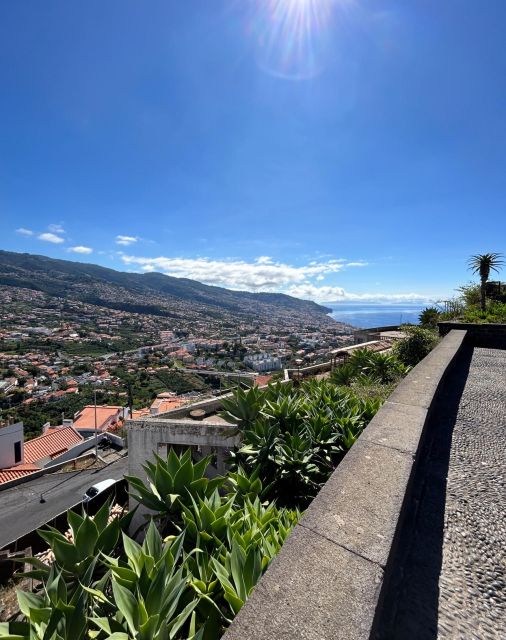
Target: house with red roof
x=19 y=458
x=106 y=416
x=164 y=402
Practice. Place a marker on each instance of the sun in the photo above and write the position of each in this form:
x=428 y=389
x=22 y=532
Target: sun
x=292 y=36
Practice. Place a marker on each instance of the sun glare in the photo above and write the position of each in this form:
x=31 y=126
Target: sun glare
x=292 y=36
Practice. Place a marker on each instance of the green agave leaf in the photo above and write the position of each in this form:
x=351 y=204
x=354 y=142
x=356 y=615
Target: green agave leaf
x=102 y=516
x=27 y=601
x=148 y=630
x=75 y=521
x=153 y=541
x=164 y=481
x=86 y=538
x=134 y=553
x=183 y=477
x=108 y=538
x=99 y=595
x=67 y=555
x=176 y=623
x=127 y=605
x=233 y=600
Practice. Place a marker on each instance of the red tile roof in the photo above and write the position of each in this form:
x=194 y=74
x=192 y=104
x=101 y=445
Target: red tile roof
x=261 y=381
x=13 y=473
x=139 y=413
x=161 y=405
x=86 y=419
x=51 y=444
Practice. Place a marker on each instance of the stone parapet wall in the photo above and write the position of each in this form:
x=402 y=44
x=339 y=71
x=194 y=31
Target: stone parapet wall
x=329 y=579
x=481 y=335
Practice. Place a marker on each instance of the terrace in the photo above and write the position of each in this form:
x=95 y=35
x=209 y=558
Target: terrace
x=408 y=536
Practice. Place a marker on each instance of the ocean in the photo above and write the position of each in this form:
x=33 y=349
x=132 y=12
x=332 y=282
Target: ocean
x=364 y=316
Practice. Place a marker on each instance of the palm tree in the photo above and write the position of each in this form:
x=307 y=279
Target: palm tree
x=483 y=263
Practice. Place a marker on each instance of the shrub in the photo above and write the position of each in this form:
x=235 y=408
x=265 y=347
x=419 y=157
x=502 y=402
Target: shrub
x=496 y=312
x=415 y=346
x=429 y=317
x=369 y=367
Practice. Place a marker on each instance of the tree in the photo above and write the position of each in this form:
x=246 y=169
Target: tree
x=482 y=264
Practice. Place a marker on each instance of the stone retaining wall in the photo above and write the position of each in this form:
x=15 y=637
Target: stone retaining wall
x=481 y=335
x=329 y=578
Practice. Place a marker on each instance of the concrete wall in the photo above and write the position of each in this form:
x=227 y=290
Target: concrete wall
x=363 y=335
x=9 y=435
x=330 y=577
x=156 y=435
x=80 y=448
x=149 y=436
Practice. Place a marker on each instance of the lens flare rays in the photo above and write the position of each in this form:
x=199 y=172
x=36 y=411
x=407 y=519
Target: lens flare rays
x=292 y=36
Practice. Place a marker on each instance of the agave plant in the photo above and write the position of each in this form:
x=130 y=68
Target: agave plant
x=244 y=486
x=243 y=408
x=54 y=612
x=147 y=590
x=207 y=520
x=77 y=557
x=173 y=483
x=344 y=374
x=384 y=367
x=238 y=571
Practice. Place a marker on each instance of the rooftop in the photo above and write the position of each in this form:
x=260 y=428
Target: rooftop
x=86 y=418
x=51 y=444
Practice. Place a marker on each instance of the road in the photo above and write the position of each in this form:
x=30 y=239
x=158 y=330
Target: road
x=223 y=374
x=20 y=507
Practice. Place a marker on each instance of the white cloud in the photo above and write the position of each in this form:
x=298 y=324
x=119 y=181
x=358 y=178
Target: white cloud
x=126 y=240
x=263 y=274
x=80 y=249
x=24 y=232
x=338 y=294
x=50 y=237
x=56 y=228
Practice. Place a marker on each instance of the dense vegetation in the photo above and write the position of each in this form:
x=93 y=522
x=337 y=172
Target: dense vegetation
x=208 y=541
x=38 y=412
x=367 y=367
x=145 y=386
x=138 y=387
x=293 y=438
x=476 y=303
x=467 y=307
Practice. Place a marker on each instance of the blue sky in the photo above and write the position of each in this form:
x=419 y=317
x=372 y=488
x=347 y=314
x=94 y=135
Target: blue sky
x=332 y=149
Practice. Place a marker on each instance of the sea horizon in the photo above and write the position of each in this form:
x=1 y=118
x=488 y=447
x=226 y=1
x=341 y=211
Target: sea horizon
x=367 y=315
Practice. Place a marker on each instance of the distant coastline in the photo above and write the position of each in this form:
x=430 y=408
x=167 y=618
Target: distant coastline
x=364 y=316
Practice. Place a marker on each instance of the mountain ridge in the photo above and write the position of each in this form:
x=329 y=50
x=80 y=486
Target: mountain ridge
x=152 y=292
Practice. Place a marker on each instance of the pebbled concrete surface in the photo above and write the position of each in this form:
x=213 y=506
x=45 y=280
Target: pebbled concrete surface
x=452 y=585
x=473 y=577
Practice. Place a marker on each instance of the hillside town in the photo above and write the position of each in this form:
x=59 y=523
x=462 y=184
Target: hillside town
x=56 y=353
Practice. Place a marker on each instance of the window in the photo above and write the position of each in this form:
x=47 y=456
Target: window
x=17 y=452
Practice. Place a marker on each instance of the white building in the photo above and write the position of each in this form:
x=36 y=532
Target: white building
x=263 y=362
x=11 y=447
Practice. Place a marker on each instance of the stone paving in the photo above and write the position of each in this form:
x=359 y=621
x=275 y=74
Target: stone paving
x=452 y=585
x=473 y=575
